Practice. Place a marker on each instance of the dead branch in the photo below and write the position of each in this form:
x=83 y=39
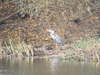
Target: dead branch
x=5 y=18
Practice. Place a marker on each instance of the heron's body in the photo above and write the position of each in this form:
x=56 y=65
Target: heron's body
x=56 y=37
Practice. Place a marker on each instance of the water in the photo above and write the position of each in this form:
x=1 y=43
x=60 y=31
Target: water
x=42 y=67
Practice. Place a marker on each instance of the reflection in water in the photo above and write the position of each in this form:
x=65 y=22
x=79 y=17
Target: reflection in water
x=55 y=63
x=41 y=67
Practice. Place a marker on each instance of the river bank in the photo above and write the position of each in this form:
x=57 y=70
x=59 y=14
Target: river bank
x=23 y=33
x=87 y=50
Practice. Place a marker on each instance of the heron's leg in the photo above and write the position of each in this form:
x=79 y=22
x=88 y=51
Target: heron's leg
x=60 y=47
x=57 y=47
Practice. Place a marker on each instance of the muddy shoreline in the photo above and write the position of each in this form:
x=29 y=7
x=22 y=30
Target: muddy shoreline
x=67 y=55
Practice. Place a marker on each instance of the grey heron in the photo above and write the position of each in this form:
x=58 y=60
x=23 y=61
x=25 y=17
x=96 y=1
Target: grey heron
x=55 y=37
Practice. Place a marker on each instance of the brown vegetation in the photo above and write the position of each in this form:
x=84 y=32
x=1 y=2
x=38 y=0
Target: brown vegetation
x=70 y=18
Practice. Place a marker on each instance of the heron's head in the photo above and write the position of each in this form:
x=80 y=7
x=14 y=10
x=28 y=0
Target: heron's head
x=51 y=31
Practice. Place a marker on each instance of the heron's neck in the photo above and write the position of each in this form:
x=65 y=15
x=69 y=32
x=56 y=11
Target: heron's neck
x=52 y=33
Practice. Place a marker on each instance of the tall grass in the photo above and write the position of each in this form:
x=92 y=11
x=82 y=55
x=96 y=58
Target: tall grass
x=84 y=49
x=85 y=43
x=17 y=49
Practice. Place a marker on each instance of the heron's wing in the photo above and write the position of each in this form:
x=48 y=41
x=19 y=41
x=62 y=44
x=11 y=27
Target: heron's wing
x=57 y=38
